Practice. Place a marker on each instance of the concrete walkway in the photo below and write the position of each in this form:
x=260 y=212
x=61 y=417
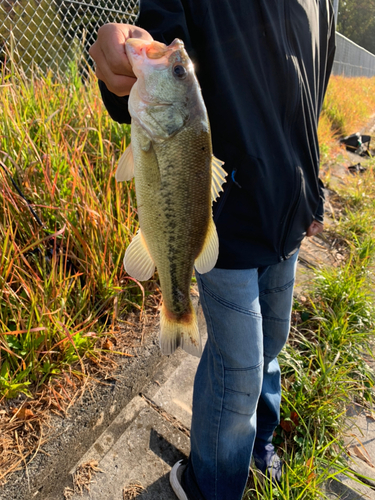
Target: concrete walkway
x=154 y=434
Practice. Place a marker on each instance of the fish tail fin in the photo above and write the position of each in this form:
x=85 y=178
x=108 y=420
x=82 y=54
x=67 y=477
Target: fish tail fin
x=179 y=331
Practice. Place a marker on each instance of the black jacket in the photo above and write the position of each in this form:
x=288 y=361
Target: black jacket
x=263 y=66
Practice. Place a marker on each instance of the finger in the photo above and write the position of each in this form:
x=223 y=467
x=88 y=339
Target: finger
x=117 y=59
x=112 y=64
x=136 y=32
x=109 y=48
x=315 y=228
x=117 y=84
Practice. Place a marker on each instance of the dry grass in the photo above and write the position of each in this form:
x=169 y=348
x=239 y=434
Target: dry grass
x=82 y=479
x=24 y=424
x=348 y=106
x=132 y=491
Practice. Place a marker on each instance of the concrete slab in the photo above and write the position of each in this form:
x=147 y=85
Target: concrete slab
x=348 y=489
x=115 y=430
x=176 y=395
x=360 y=442
x=143 y=454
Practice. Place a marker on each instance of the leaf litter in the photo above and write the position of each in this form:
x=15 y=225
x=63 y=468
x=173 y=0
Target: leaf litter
x=132 y=491
x=82 y=479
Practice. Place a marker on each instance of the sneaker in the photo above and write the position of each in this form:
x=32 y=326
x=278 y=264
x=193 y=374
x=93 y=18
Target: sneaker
x=268 y=462
x=175 y=479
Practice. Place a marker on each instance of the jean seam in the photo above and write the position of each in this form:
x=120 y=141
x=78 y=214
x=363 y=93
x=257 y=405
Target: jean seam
x=277 y=289
x=203 y=300
x=238 y=392
x=230 y=305
x=243 y=369
x=278 y=320
x=232 y=411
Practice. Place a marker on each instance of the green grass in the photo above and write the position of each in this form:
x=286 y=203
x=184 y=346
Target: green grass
x=59 y=283
x=324 y=365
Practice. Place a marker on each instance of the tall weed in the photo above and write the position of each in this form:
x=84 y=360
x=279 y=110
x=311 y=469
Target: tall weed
x=348 y=106
x=59 y=282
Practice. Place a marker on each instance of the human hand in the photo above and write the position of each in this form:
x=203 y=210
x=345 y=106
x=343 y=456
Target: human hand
x=314 y=228
x=112 y=65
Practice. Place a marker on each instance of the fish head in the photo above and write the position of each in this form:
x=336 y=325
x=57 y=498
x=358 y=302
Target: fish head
x=165 y=73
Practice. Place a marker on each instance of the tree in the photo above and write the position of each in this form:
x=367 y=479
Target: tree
x=356 y=21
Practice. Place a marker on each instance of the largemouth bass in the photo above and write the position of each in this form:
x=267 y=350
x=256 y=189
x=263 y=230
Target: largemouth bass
x=176 y=180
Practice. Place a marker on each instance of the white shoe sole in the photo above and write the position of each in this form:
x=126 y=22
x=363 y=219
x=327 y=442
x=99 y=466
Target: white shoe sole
x=175 y=483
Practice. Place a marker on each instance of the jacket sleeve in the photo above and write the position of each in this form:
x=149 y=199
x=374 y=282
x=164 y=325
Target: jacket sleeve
x=116 y=106
x=331 y=49
x=165 y=20
x=319 y=215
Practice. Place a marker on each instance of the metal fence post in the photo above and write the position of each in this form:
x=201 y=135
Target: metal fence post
x=336 y=9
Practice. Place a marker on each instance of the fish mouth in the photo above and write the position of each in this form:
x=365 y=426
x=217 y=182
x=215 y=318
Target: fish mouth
x=137 y=47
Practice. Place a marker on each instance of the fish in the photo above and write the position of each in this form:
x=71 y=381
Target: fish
x=177 y=178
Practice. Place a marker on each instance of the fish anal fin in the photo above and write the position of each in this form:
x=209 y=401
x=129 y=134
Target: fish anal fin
x=218 y=178
x=125 y=167
x=207 y=258
x=138 y=262
x=179 y=332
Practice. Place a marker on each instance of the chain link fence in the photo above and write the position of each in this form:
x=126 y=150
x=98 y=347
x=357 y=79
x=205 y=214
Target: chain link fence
x=51 y=35
x=351 y=59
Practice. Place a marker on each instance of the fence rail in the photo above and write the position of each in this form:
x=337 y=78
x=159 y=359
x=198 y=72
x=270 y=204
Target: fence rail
x=51 y=34
x=351 y=59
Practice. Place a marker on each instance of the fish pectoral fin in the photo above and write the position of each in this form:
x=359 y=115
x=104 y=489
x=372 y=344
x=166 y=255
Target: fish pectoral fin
x=206 y=260
x=138 y=262
x=218 y=178
x=125 y=167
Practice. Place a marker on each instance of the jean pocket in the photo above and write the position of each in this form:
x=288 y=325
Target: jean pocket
x=242 y=389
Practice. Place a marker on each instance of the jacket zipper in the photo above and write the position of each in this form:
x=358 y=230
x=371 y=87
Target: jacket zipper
x=291 y=214
x=294 y=105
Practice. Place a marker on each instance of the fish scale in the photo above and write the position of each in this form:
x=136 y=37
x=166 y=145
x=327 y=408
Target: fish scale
x=178 y=205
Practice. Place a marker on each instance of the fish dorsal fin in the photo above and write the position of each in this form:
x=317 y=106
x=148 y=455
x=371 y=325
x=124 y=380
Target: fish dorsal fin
x=138 y=262
x=218 y=178
x=206 y=260
x=125 y=167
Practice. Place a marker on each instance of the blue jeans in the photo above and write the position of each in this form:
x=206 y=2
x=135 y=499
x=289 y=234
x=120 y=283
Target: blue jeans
x=237 y=388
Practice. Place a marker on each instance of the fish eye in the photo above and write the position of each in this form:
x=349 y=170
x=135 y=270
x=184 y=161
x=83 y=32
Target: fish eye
x=180 y=71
